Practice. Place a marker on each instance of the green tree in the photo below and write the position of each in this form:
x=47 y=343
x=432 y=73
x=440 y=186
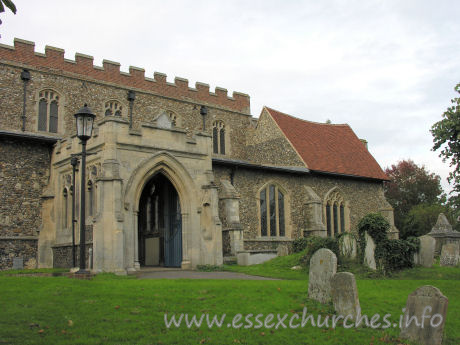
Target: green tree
x=446 y=138
x=411 y=185
x=421 y=219
x=9 y=4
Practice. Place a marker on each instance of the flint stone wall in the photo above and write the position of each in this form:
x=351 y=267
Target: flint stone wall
x=364 y=197
x=24 y=172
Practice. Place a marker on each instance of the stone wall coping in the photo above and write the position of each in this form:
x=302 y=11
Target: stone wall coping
x=444 y=234
x=59 y=245
x=18 y=238
x=172 y=129
x=271 y=239
x=256 y=251
x=112 y=119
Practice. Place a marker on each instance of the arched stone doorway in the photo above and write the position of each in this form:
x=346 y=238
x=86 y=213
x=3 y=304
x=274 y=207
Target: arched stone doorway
x=159 y=224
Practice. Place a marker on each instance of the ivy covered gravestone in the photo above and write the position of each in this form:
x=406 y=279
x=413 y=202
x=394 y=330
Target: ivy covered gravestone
x=389 y=254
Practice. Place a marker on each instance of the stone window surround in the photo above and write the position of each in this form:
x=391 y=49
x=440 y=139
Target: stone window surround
x=335 y=197
x=119 y=104
x=221 y=124
x=91 y=190
x=287 y=213
x=60 y=116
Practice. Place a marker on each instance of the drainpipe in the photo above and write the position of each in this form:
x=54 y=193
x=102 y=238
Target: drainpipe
x=131 y=98
x=204 y=112
x=25 y=76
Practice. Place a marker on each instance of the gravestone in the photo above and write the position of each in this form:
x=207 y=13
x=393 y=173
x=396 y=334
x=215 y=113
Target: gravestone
x=442 y=225
x=18 y=263
x=443 y=233
x=449 y=254
x=429 y=306
x=323 y=266
x=369 y=256
x=426 y=253
x=348 y=246
x=345 y=295
x=282 y=250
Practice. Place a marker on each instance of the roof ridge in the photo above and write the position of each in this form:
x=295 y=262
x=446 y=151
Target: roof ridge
x=309 y=121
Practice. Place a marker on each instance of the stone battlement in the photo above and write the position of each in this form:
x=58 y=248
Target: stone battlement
x=24 y=52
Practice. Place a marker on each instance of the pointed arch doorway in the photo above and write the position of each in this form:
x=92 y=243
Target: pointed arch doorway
x=160 y=224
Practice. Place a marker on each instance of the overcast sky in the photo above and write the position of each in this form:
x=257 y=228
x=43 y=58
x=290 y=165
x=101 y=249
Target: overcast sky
x=387 y=68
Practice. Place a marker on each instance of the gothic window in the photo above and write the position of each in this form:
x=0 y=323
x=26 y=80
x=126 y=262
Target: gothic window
x=48 y=111
x=113 y=108
x=218 y=137
x=272 y=213
x=328 y=219
x=336 y=213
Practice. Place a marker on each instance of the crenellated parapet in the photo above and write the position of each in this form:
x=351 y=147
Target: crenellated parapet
x=23 y=52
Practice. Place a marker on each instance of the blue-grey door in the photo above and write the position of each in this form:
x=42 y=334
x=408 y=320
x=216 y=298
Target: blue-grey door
x=160 y=224
x=173 y=232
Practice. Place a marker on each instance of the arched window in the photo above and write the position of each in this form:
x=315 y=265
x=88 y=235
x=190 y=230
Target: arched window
x=65 y=215
x=218 y=137
x=48 y=111
x=113 y=108
x=336 y=213
x=272 y=212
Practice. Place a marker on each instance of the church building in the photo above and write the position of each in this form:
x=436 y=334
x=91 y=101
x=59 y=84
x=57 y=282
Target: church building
x=176 y=176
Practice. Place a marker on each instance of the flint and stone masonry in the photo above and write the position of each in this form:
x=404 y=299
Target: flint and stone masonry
x=161 y=188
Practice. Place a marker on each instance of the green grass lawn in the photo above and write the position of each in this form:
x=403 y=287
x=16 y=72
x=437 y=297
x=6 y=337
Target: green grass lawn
x=124 y=310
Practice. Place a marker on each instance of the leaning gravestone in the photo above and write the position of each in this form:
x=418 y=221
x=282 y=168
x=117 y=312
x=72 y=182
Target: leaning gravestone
x=345 y=295
x=426 y=253
x=323 y=266
x=449 y=255
x=369 y=252
x=423 y=302
x=18 y=263
x=348 y=246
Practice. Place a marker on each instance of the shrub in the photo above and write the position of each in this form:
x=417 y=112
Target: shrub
x=299 y=244
x=394 y=255
x=375 y=225
x=313 y=243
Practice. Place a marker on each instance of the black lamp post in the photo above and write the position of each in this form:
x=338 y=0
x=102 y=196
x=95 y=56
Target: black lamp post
x=74 y=162
x=84 y=118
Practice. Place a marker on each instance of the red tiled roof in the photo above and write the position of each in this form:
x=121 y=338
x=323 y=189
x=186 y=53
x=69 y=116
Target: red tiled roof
x=328 y=147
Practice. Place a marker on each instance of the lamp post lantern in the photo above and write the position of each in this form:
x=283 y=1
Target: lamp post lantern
x=84 y=119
